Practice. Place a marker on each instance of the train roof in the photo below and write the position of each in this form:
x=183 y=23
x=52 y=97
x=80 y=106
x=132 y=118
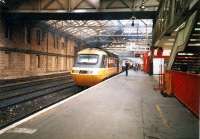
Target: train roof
x=97 y=50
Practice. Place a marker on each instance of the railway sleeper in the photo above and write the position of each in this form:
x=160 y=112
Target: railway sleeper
x=25 y=79
x=40 y=104
x=30 y=89
x=33 y=95
x=31 y=83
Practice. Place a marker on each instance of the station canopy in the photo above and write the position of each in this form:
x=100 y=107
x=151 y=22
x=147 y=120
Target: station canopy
x=115 y=35
x=98 y=28
x=108 y=33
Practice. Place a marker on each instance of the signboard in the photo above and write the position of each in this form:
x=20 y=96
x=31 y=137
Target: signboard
x=134 y=47
x=158 y=65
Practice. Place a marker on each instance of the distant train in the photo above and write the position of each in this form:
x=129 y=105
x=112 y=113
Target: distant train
x=94 y=65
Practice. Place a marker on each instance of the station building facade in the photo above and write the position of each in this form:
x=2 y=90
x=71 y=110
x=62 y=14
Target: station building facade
x=31 y=49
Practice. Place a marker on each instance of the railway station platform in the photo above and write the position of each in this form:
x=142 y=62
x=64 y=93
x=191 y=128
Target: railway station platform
x=118 y=108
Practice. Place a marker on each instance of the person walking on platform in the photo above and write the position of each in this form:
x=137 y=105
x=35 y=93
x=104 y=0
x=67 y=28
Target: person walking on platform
x=126 y=67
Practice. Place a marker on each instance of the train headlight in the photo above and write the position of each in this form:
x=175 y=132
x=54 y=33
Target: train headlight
x=75 y=71
x=95 y=71
x=90 y=72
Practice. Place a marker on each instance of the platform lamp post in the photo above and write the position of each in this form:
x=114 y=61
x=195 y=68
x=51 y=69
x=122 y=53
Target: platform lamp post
x=146 y=31
x=147 y=43
x=142 y=5
x=133 y=24
x=147 y=40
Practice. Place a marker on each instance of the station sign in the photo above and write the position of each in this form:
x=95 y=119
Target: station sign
x=136 y=47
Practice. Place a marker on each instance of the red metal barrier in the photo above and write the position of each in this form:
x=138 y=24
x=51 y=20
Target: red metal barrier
x=186 y=87
x=160 y=85
x=167 y=83
x=146 y=66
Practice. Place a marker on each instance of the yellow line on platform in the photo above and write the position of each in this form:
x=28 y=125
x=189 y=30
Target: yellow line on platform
x=164 y=120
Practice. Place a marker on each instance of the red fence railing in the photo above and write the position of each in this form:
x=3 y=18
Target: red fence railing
x=186 y=88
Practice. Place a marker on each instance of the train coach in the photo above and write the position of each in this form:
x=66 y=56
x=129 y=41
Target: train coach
x=93 y=65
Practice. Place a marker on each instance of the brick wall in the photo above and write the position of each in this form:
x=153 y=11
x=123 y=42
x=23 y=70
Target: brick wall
x=27 y=54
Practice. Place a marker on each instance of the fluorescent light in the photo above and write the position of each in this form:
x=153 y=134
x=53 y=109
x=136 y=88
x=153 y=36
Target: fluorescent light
x=2 y=1
x=188 y=54
x=168 y=44
x=171 y=40
x=197 y=29
x=180 y=27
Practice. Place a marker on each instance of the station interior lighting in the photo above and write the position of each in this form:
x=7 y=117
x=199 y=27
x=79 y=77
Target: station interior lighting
x=142 y=5
x=132 y=24
x=2 y=1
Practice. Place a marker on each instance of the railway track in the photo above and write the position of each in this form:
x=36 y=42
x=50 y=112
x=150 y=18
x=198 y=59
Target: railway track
x=22 y=97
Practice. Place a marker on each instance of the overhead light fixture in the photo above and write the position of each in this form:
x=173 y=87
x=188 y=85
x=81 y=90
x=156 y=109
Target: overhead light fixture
x=180 y=27
x=2 y=1
x=142 y=5
x=168 y=43
x=188 y=54
x=133 y=23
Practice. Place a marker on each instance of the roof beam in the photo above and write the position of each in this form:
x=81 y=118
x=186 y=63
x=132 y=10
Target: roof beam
x=87 y=15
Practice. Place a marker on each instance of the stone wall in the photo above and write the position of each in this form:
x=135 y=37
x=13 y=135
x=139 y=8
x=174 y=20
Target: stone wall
x=29 y=49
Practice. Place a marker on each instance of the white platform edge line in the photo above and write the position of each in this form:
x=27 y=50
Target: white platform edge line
x=49 y=108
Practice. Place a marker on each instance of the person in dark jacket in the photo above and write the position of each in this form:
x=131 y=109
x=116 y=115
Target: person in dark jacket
x=126 y=67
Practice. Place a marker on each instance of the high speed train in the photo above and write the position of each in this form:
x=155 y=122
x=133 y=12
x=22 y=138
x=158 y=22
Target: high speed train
x=94 y=65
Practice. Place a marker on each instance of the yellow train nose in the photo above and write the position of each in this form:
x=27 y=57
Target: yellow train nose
x=87 y=80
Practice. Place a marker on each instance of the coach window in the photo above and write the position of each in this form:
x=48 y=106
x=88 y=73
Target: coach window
x=104 y=61
x=116 y=62
x=110 y=62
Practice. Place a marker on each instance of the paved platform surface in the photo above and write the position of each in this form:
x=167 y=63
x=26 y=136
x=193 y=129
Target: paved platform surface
x=119 y=108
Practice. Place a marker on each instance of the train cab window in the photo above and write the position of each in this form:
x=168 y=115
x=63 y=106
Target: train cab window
x=87 y=59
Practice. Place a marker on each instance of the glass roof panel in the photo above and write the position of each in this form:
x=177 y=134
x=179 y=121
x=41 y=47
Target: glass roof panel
x=105 y=29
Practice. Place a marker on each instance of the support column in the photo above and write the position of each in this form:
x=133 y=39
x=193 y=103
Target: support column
x=151 y=61
x=152 y=51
